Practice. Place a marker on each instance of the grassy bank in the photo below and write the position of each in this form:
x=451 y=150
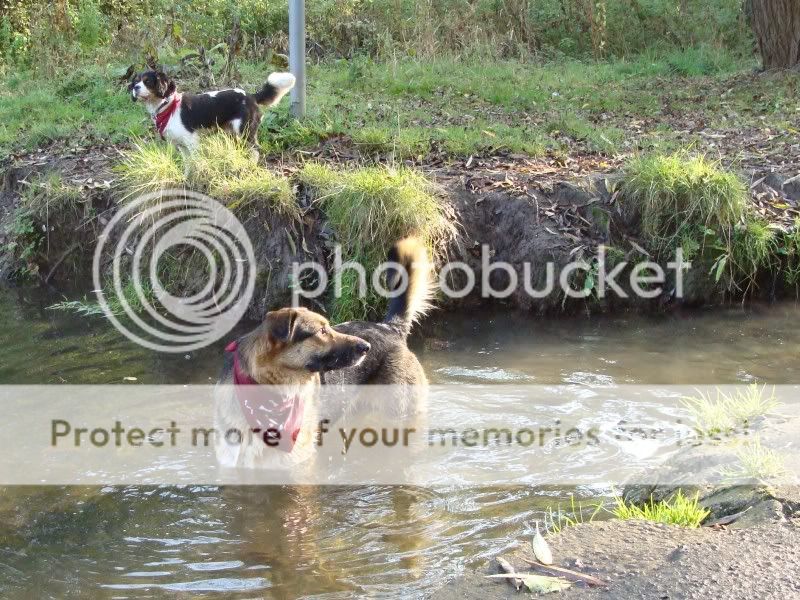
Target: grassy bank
x=414 y=110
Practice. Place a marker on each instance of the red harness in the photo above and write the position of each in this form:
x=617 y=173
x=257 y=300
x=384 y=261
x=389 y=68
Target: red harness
x=163 y=115
x=275 y=418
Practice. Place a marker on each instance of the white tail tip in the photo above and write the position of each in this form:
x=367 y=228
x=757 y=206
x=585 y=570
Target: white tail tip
x=282 y=81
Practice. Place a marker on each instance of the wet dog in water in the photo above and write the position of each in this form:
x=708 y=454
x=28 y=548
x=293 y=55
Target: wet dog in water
x=178 y=117
x=296 y=350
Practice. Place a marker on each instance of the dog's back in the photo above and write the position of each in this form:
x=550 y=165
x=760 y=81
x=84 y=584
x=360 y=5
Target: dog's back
x=390 y=362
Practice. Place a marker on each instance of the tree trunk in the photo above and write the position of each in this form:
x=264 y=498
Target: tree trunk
x=776 y=24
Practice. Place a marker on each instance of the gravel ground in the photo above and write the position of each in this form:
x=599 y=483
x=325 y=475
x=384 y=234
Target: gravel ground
x=641 y=560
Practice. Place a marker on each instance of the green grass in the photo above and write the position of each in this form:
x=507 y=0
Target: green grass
x=556 y=520
x=678 y=510
x=756 y=463
x=135 y=298
x=679 y=192
x=81 y=106
x=48 y=211
x=404 y=108
x=754 y=246
x=688 y=201
x=369 y=209
x=48 y=195
x=598 y=138
x=728 y=412
x=222 y=167
x=150 y=167
x=227 y=169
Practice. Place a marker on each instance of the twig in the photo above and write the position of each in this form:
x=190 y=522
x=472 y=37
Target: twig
x=59 y=261
x=727 y=519
x=505 y=567
x=587 y=578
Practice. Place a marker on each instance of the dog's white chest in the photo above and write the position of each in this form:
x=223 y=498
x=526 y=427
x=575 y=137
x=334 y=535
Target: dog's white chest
x=176 y=132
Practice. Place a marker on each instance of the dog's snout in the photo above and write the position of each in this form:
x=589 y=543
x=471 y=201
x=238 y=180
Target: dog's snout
x=363 y=347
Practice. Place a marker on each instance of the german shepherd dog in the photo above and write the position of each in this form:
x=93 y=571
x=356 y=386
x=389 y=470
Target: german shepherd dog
x=296 y=350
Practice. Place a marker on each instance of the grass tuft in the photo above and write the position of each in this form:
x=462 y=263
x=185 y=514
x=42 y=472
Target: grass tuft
x=227 y=169
x=150 y=167
x=691 y=202
x=729 y=411
x=136 y=297
x=757 y=463
x=557 y=520
x=369 y=209
x=678 y=510
x=222 y=166
x=48 y=212
x=678 y=192
x=49 y=195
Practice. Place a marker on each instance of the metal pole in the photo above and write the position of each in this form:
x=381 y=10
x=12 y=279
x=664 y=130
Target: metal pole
x=297 y=55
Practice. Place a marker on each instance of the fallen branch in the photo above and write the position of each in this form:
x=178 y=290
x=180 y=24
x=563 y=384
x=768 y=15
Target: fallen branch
x=581 y=576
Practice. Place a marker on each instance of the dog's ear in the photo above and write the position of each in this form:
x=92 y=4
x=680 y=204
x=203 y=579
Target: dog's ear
x=279 y=325
x=166 y=87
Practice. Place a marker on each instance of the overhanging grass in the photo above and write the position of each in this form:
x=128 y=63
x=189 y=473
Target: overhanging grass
x=134 y=296
x=150 y=167
x=688 y=201
x=678 y=510
x=49 y=195
x=676 y=192
x=49 y=209
x=222 y=166
x=369 y=209
x=229 y=171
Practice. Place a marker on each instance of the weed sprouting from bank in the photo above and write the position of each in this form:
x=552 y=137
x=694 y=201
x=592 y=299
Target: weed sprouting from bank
x=755 y=463
x=678 y=510
x=369 y=209
x=558 y=519
x=729 y=412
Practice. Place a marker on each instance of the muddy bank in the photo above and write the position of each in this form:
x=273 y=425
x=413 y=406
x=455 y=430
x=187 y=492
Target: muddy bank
x=744 y=549
x=516 y=210
x=647 y=560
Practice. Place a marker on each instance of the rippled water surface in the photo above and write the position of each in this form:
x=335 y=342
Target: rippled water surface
x=337 y=542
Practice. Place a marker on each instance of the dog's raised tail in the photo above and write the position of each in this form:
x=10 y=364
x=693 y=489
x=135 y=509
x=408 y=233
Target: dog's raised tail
x=278 y=84
x=417 y=288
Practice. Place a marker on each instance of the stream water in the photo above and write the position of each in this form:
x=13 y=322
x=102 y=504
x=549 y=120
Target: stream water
x=335 y=542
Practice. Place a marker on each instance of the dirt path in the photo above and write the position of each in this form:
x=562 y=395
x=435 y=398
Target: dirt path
x=641 y=560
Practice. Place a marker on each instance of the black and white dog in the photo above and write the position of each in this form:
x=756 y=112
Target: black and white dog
x=178 y=117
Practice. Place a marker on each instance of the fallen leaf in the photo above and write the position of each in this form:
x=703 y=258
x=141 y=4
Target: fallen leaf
x=541 y=549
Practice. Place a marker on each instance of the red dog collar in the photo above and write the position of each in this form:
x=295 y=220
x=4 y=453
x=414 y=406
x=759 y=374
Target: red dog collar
x=164 y=114
x=269 y=414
